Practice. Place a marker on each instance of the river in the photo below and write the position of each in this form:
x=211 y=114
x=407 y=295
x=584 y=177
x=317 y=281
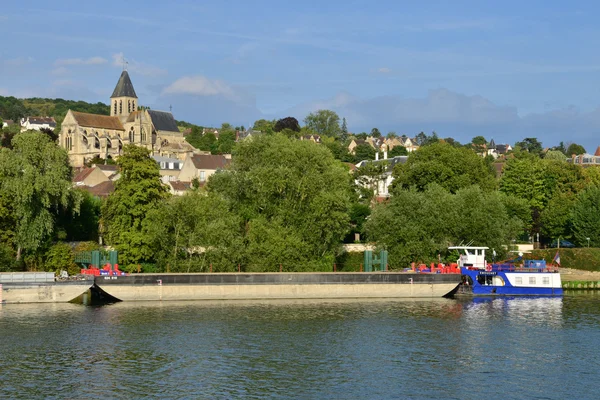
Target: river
x=402 y=349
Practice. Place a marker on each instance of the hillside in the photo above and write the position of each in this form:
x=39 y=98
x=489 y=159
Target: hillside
x=15 y=109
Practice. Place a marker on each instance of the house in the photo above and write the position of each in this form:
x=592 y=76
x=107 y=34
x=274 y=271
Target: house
x=7 y=122
x=381 y=186
x=178 y=188
x=312 y=138
x=169 y=168
x=201 y=167
x=497 y=150
x=97 y=180
x=586 y=160
x=37 y=123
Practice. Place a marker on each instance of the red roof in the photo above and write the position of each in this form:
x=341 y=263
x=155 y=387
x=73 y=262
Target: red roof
x=597 y=153
x=81 y=175
x=180 y=186
x=103 y=189
x=209 y=161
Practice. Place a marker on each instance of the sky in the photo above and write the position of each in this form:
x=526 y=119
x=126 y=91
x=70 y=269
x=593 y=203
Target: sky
x=504 y=70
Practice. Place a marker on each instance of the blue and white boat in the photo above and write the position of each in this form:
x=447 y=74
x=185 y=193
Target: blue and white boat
x=532 y=278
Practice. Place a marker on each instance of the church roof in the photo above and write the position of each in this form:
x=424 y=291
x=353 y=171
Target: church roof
x=97 y=121
x=163 y=121
x=124 y=87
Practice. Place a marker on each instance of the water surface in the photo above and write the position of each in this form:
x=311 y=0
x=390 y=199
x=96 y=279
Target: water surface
x=416 y=349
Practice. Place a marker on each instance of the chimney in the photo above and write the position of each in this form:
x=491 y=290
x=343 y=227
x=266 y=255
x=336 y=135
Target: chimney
x=385 y=154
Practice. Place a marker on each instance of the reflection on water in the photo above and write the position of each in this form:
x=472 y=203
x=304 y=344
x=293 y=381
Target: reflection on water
x=462 y=349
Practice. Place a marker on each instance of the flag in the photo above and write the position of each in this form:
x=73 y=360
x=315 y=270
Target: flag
x=556 y=259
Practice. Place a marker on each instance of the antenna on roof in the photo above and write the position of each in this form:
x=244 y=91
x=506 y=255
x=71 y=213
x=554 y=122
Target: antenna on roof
x=171 y=108
x=125 y=64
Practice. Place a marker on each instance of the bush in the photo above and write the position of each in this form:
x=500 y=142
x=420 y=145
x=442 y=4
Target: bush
x=60 y=257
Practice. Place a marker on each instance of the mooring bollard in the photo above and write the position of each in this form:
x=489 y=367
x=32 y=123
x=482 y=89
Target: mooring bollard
x=280 y=268
x=239 y=268
x=334 y=267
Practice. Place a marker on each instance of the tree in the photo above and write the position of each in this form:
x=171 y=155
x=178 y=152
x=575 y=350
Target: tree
x=324 y=123
x=575 y=149
x=264 y=126
x=292 y=197
x=555 y=155
x=478 y=143
x=364 y=151
x=35 y=175
x=530 y=145
x=287 y=123
x=368 y=177
x=452 y=168
x=585 y=216
x=138 y=191
x=375 y=133
x=344 y=128
x=416 y=226
x=191 y=232
x=398 y=151
x=421 y=138
x=195 y=137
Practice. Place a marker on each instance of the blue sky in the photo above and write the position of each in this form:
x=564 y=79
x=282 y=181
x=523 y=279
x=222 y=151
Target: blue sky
x=505 y=70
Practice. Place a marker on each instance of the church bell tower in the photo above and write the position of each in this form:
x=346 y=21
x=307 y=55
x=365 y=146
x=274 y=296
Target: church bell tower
x=123 y=100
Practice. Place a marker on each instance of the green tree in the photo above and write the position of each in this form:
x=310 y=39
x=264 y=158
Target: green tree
x=575 y=148
x=324 y=123
x=368 y=177
x=344 y=129
x=375 y=133
x=35 y=175
x=60 y=257
x=195 y=137
x=293 y=199
x=398 y=151
x=264 y=126
x=138 y=191
x=478 y=143
x=556 y=218
x=189 y=233
x=364 y=151
x=586 y=217
x=555 y=155
x=417 y=226
x=530 y=145
x=452 y=168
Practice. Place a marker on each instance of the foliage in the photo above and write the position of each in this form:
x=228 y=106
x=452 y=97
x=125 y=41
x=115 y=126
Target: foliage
x=36 y=176
x=524 y=178
x=586 y=217
x=364 y=151
x=264 y=126
x=530 y=145
x=574 y=148
x=398 y=151
x=97 y=160
x=375 y=133
x=324 y=123
x=555 y=155
x=292 y=197
x=60 y=257
x=287 y=123
x=368 y=177
x=138 y=191
x=189 y=233
x=83 y=225
x=417 y=226
x=556 y=219
x=452 y=168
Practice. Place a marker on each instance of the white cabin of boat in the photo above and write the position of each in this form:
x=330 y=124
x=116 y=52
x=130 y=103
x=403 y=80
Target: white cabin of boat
x=471 y=256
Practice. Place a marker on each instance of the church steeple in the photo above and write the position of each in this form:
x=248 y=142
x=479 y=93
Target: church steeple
x=123 y=100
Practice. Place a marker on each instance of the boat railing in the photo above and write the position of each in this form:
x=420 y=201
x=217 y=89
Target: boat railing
x=515 y=268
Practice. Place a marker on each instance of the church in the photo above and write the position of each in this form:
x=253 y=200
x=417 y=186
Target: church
x=86 y=136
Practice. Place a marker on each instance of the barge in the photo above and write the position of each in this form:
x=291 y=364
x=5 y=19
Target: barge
x=40 y=287
x=260 y=286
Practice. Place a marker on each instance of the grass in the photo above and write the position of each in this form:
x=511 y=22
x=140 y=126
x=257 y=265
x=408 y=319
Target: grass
x=583 y=258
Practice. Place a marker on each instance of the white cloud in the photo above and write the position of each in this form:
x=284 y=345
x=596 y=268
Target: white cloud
x=201 y=86
x=384 y=70
x=19 y=61
x=135 y=66
x=80 y=61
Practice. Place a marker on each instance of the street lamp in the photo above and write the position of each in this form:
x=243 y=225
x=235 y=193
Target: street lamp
x=588 y=239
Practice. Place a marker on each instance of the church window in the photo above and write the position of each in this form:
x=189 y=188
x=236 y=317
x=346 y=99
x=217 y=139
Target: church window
x=97 y=143
x=143 y=137
x=129 y=106
x=115 y=108
x=133 y=105
x=120 y=106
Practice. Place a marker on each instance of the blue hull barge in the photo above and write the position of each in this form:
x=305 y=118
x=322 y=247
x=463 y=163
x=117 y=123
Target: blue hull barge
x=479 y=278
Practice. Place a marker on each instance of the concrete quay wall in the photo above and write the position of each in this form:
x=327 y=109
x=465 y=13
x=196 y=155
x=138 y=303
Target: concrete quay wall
x=55 y=292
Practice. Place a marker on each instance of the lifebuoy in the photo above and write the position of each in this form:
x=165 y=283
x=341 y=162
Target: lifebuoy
x=488 y=267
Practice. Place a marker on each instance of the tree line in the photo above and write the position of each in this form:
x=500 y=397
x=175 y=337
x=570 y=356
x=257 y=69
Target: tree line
x=290 y=204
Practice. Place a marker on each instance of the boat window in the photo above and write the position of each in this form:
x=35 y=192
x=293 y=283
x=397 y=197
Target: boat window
x=532 y=280
x=546 y=280
x=519 y=280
